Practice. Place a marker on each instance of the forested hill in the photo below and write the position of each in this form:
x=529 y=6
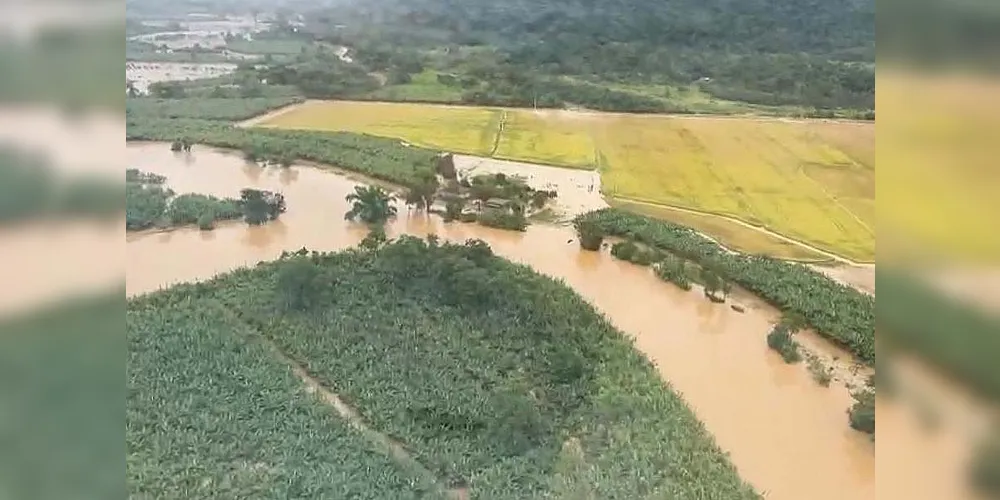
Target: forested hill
x=816 y=53
x=830 y=27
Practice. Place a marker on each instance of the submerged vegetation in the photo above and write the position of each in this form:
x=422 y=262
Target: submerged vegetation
x=861 y=415
x=838 y=312
x=149 y=203
x=491 y=377
x=371 y=205
x=780 y=339
x=384 y=159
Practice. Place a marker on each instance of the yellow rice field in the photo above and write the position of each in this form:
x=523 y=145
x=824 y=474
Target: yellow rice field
x=549 y=137
x=460 y=129
x=810 y=180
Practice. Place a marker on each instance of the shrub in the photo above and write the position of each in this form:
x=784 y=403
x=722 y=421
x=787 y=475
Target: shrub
x=629 y=251
x=780 y=339
x=861 y=415
x=674 y=270
x=819 y=372
x=504 y=220
x=206 y=222
x=590 y=235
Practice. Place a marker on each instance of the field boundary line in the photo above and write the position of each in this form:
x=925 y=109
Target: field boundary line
x=836 y=200
x=499 y=135
x=382 y=442
x=763 y=230
x=257 y=121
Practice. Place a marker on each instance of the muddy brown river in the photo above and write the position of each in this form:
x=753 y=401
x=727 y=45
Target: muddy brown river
x=787 y=435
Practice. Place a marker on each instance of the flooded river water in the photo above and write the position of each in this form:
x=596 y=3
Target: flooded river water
x=787 y=435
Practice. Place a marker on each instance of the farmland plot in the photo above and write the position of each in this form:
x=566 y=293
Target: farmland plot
x=459 y=129
x=442 y=347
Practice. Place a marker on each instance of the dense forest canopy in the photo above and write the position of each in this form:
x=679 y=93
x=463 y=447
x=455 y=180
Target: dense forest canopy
x=802 y=52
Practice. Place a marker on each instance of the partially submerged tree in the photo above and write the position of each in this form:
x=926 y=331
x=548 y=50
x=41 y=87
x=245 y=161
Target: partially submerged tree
x=371 y=205
x=261 y=206
x=422 y=193
x=714 y=284
x=590 y=234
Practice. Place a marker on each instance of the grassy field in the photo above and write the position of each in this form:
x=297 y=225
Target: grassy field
x=423 y=86
x=493 y=379
x=459 y=129
x=532 y=136
x=810 y=180
x=277 y=46
x=780 y=175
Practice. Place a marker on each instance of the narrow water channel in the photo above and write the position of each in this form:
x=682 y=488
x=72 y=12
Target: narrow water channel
x=787 y=435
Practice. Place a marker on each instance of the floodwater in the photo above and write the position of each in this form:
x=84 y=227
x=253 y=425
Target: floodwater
x=144 y=74
x=787 y=435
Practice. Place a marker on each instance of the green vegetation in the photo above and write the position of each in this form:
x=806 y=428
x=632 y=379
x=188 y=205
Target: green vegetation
x=957 y=337
x=713 y=285
x=815 y=58
x=371 y=205
x=425 y=86
x=149 y=203
x=211 y=412
x=384 y=159
x=780 y=339
x=630 y=252
x=136 y=50
x=492 y=378
x=62 y=395
x=503 y=219
x=30 y=188
x=820 y=373
x=839 y=313
x=861 y=415
x=673 y=269
x=204 y=108
x=267 y=46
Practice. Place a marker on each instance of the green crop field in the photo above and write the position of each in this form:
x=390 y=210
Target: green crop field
x=497 y=383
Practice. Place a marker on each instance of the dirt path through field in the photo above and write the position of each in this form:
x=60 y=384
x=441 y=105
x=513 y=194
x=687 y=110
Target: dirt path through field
x=381 y=441
x=274 y=113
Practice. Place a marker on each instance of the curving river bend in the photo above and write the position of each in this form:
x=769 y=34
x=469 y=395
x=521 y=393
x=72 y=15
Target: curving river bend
x=787 y=435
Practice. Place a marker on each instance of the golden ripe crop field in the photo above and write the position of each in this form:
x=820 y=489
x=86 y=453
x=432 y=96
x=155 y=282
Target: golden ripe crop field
x=781 y=175
x=460 y=129
x=813 y=181
x=562 y=138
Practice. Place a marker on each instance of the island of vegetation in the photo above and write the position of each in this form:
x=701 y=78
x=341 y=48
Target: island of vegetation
x=460 y=374
x=149 y=203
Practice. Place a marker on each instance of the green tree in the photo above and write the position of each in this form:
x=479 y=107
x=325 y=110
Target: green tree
x=371 y=205
x=261 y=206
x=423 y=193
x=590 y=234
